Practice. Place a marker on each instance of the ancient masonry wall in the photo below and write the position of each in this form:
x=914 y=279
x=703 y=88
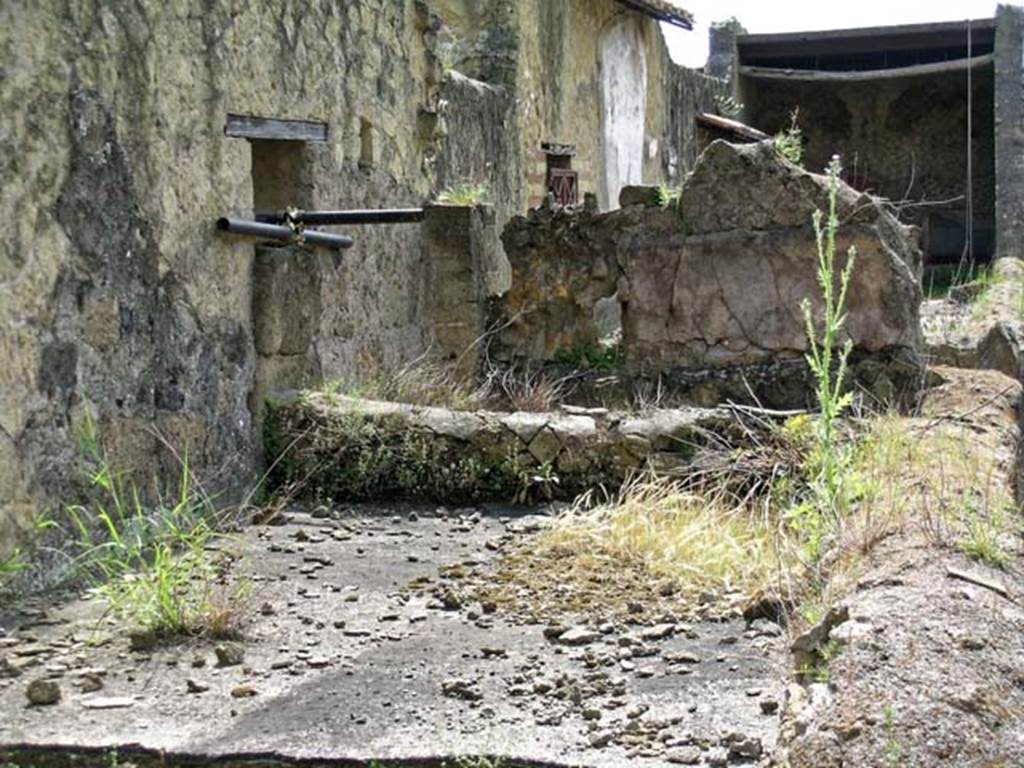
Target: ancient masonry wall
x=349 y=448
x=118 y=297
x=533 y=66
x=683 y=273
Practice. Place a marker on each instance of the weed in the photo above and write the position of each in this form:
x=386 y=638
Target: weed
x=464 y=194
x=534 y=484
x=940 y=280
x=151 y=564
x=728 y=107
x=893 y=748
x=933 y=479
x=11 y=565
x=817 y=665
x=979 y=291
x=790 y=143
x=666 y=196
x=982 y=537
x=598 y=357
x=448 y=56
x=829 y=461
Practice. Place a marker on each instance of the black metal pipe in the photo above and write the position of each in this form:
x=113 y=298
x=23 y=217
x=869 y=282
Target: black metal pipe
x=322 y=218
x=283 y=234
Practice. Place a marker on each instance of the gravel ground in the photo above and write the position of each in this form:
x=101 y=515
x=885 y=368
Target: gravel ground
x=364 y=644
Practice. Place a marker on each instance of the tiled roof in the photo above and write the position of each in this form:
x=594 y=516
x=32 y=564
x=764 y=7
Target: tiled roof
x=662 y=10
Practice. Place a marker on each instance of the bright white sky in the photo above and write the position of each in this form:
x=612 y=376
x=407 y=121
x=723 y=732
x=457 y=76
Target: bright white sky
x=761 y=16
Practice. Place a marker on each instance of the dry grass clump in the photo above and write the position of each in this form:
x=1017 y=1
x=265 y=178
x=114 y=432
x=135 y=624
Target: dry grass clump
x=525 y=389
x=941 y=481
x=426 y=381
x=704 y=544
x=727 y=534
x=430 y=381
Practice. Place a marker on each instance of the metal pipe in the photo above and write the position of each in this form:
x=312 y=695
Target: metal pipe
x=283 y=234
x=381 y=216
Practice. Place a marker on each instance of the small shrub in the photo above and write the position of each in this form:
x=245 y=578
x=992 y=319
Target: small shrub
x=790 y=143
x=464 y=194
x=598 y=357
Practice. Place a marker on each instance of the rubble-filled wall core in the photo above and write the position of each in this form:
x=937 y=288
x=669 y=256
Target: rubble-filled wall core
x=683 y=274
x=118 y=296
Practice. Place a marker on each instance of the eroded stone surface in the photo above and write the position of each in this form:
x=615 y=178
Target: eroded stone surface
x=352 y=448
x=719 y=281
x=926 y=653
x=350 y=656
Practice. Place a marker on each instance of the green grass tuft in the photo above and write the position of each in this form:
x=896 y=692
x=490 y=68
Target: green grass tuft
x=464 y=194
x=151 y=563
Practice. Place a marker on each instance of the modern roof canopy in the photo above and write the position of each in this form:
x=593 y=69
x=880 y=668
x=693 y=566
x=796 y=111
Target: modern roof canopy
x=663 y=11
x=872 y=48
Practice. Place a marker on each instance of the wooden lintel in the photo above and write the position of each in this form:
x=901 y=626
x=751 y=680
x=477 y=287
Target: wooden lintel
x=251 y=127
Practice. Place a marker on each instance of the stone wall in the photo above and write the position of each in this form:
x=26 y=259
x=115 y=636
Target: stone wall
x=344 y=449
x=480 y=142
x=717 y=281
x=1009 y=130
x=116 y=293
x=467 y=269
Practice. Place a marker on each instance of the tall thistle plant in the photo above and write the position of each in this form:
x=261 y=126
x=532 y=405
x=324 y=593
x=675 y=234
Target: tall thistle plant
x=830 y=463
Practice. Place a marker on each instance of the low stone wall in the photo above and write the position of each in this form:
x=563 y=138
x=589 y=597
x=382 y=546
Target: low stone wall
x=715 y=282
x=344 y=448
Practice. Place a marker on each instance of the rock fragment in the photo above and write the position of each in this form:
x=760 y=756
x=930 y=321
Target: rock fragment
x=229 y=654
x=579 y=635
x=42 y=693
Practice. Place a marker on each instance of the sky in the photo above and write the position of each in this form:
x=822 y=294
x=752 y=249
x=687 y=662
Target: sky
x=760 y=16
